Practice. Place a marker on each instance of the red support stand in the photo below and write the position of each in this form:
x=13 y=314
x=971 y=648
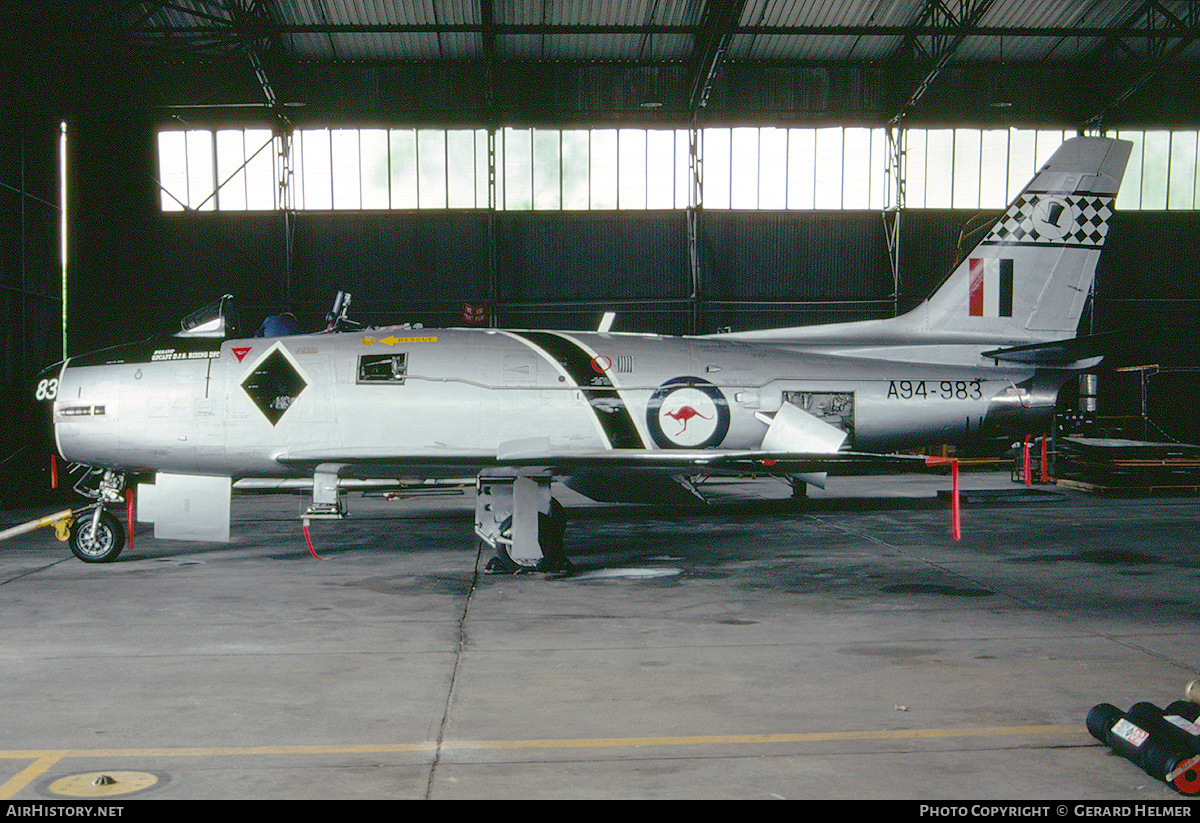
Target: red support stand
x=129 y=517
x=955 y=507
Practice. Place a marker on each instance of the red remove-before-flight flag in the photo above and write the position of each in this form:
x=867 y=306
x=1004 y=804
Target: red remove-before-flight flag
x=475 y=314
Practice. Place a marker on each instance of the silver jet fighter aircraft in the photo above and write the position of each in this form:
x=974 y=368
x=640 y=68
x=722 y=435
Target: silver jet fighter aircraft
x=198 y=416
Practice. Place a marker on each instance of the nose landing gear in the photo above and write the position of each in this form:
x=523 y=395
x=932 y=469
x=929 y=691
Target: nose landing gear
x=97 y=537
x=94 y=533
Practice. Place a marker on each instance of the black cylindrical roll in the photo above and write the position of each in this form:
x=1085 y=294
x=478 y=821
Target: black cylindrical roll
x=1145 y=740
x=1182 y=715
x=1175 y=727
x=1184 y=708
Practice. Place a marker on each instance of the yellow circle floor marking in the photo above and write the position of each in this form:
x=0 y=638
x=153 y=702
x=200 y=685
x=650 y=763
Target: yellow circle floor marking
x=102 y=784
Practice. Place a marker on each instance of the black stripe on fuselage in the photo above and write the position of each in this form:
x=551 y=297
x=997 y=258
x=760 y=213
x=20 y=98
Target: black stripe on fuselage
x=606 y=402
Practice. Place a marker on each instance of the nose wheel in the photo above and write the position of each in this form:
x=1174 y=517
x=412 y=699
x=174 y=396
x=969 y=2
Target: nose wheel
x=97 y=537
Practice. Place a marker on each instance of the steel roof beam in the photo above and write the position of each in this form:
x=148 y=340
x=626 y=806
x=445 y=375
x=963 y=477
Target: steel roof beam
x=716 y=30
x=251 y=24
x=951 y=29
x=1161 y=27
x=491 y=30
x=487 y=18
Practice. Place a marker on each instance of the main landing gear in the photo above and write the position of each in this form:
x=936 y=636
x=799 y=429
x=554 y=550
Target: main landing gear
x=518 y=518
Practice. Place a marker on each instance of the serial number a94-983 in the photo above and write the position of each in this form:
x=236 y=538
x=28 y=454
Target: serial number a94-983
x=935 y=390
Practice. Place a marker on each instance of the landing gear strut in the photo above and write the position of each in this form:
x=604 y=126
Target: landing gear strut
x=518 y=518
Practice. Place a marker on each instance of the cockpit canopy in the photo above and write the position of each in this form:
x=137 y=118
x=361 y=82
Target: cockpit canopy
x=217 y=319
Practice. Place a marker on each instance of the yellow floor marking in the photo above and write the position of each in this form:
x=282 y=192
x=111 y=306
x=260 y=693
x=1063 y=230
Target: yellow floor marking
x=805 y=737
x=219 y=751
x=44 y=760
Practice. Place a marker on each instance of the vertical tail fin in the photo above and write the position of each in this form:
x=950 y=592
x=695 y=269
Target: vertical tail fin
x=1029 y=277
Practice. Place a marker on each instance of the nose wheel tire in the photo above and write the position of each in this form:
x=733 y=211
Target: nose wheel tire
x=101 y=545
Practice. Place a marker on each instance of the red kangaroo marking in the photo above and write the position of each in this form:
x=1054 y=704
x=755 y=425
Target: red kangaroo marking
x=685 y=414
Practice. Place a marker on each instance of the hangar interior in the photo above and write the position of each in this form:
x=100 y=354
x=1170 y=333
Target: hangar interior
x=692 y=165
x=158 y=154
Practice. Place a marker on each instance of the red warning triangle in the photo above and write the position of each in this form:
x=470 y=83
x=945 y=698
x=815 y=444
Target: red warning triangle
x=240 y=352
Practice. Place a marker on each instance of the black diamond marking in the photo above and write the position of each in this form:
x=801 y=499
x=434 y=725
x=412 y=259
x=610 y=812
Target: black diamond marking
x=606 y=402
x=274 y=385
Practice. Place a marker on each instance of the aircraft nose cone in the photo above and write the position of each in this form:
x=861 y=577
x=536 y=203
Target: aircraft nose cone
x=43 y=459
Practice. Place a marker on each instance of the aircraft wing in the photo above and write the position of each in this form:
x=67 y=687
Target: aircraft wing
x=710 y=461
x=534 y=458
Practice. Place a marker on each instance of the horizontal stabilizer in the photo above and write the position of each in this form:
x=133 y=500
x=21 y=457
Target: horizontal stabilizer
x=1062 y=352
x=1127 y=347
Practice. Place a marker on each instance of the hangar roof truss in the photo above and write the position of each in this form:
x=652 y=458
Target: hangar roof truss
x=688 y=41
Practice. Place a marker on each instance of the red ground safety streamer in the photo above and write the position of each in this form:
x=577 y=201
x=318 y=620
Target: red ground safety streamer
x=53 y=472
x=1028 y=479
x=309 y=541
x=1045 y=468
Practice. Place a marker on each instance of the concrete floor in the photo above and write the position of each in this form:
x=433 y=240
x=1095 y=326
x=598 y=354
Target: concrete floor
x=843 y=647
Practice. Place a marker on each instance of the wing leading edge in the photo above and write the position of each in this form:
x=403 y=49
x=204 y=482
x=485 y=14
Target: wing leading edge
x=528 y=458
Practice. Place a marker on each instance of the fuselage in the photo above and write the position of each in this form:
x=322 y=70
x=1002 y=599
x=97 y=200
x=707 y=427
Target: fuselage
x=445 y=401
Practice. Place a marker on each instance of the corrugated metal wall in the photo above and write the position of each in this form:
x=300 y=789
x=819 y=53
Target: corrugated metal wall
x=30 y=303
x=400 y=267
x=558 y=94
x=1150 y=273
x=29 y=248
x=762 y=269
